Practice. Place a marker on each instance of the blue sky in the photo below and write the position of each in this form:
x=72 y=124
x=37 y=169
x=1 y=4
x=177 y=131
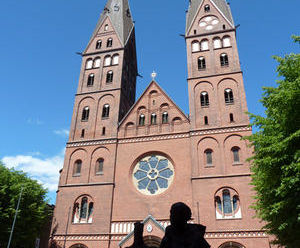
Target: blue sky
x=39 y=67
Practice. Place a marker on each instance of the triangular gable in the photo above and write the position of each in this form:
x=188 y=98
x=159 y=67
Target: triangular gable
x=148 y=90
x=147 y=221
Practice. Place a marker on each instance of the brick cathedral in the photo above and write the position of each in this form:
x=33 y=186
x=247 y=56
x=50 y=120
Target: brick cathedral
x=128 y=160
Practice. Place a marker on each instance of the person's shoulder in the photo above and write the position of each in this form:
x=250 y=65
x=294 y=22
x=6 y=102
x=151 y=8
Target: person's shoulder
x=200 y=229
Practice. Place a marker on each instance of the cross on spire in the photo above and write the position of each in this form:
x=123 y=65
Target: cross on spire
x=153 y=75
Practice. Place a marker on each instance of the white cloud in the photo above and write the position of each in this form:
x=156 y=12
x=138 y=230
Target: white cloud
x=45 y=171
x=62 y=132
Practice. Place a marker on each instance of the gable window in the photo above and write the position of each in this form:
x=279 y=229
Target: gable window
x=226 y=41
x=83 y=210
x=142 y=120
x=195 y=46
x=228 y=95
x=206 y=8
x=204 y=45
x=204 y=99
x=208 y=156
x=109 y=77
x=105 y=111
x=85 y=114
x=99 y=44
x=89 y=64
x=115 y=59
x=201 y=63
x=153 y=119
x=107 y=61
x=106 y=27
x=97 y=62
x=217 y=43
x=224 y=59
x=90 y=81
x=236 y=154
x=109 y=42
x=165 y=117
x=99 y=166
x=77 y=168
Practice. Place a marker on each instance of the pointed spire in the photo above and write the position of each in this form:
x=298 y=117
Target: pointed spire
x=119 y=13
x=194 y=6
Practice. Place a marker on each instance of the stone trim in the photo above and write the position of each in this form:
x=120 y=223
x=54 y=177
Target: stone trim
x=221 y=176
x=86 y=184
x=91 y=143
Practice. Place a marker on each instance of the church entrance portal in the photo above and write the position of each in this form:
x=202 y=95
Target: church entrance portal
x=152 y=241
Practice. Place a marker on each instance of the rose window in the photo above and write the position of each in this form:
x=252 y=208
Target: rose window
x=153 y=175
x=208 y=22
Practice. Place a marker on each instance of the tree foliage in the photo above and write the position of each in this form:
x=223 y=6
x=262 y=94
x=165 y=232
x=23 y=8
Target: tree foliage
x=33 y=210
x=276 y=161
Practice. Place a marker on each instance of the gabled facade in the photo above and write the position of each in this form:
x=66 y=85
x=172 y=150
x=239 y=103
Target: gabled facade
x=129 y=161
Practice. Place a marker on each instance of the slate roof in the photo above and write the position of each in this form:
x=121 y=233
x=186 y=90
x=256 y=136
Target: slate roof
x=222 y=5
x=120 y=15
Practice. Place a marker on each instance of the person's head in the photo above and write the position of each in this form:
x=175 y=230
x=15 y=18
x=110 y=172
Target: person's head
x=180 y=214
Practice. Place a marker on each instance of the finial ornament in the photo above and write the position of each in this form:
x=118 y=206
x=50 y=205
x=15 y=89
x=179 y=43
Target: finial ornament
x=153 y=75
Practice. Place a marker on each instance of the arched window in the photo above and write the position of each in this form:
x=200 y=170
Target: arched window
x=209 y=157
x=83 y=210
x=115 y=59
x=201 y=63
x=204 y=99
x=236 y=154
x=217 y=43
x=99 y=166
x=142 y=120
x=224 y=59
x=77 y=168
x=105 y=111
x=206 y=8
x=109 y=42
x=89 y=64
x=231 y=245
x=204 y=45
x=107 y=61
x=106 y=27
x=195 y=46
x=228 y=95
x=109 y=77
x=85 y=114
x=97 y=62
x=153 y=119
x=90 y=81
x=99 y=44
x=165 y=117
x=226 y=41
x=227 y=204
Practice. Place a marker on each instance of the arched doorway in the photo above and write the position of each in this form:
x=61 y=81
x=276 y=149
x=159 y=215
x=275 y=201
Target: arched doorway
x=231 y=245
x=78 y=246
x=152 y=241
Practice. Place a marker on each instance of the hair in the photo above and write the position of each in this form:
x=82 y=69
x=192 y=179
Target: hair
x=182 y=209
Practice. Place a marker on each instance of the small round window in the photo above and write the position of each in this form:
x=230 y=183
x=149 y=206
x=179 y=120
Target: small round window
x=153 y=175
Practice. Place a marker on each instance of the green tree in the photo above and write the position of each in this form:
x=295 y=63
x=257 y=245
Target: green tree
x=33 y=210
x=276 y=161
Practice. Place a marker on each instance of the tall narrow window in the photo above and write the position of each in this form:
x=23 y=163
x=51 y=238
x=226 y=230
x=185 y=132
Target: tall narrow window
x=226 y=41
x=109 y=77
x=97 y=62
x=106 y=27
x=153 y=119
x=90 y=81
x=224 y=59
x=227 y=207
x=107 y=61
x=142 y=120
x=77 y=168
x=109 y=42
x=115 y=59
x=82 y=133
x=85 y=114
x=228 y=95
x=105 y=111
x=236 y=154
x=195 y=46
x=99 y=166
x=91 y=210
x=206 y=8
x=204 y=99
x=217 y=43
x=103 y=131
x=99 y=44
x=205 y=120
x=204 y=45
x=84 y=208
x=208 y=155
x=89 y=64
x=231 y=118
x=165 y=117
x=201 y=63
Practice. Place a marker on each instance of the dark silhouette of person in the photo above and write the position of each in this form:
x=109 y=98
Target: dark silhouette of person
x=138 y=236
x=180 y=234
